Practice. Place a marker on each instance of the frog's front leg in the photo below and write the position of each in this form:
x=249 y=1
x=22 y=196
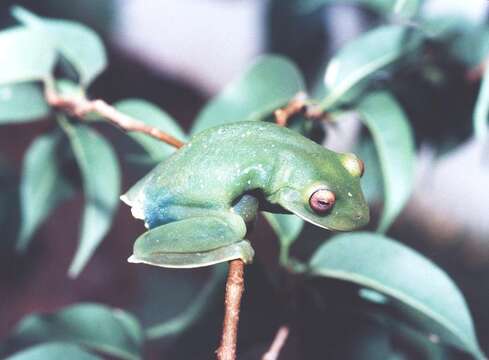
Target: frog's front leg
x=194 y=242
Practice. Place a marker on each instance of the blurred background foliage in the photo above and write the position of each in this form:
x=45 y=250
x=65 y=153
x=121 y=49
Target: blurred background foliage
x=403 y=85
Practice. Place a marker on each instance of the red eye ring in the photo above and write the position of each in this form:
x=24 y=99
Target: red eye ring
x=322 y=200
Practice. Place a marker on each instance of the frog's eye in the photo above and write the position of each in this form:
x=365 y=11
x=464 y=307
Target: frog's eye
x=322 y=200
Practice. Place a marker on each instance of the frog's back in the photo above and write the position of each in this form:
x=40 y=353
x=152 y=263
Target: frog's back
x=221 y=154
x=220 y=163
x=248 y=133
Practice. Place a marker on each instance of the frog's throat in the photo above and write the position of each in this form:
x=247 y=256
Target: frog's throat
x=238 y=250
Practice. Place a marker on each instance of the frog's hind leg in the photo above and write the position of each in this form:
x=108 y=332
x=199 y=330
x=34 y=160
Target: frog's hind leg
x=194 y=242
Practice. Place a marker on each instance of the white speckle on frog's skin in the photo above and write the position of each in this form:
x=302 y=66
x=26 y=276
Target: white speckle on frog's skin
x=350 y=194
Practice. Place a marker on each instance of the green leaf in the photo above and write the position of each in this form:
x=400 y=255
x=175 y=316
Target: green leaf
x=42 y=185
x=81 y=46
x=151 y=115
x=53 y=351
x=70 y=89
x=411 y=282
x=394 y=142
x=481 y=112
x=444 y=28
x=25 y=55
x=101 y=181
x=13 y=100
x=100 y=328
x=360 y=58
x=397 y=8
x=372 y=183
x=471 y=45
x=183 y=321
x=271 y=82
x=287 y=227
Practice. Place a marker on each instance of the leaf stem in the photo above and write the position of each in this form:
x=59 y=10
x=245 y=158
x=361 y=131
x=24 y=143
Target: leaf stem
x=277 y=344
x=283 y=257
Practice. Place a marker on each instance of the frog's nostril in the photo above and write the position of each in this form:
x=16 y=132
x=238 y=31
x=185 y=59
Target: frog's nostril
x=363 y=217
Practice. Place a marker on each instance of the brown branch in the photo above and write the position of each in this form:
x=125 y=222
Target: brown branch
x=297 y=106
x=277 y=344
x=80 y=106
x=234 y=292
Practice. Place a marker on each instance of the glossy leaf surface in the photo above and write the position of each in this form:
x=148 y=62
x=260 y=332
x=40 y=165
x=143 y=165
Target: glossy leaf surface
x=413 y=283
x=80 y=45
x=394 y=142
x=53 y=351
x=42 y=186
x=13 y=100
x=101 y=183
x=151 y=115
x=269 y=83
x=97 y=327
x=362 y=57
x=25 y=55
x=396 y=8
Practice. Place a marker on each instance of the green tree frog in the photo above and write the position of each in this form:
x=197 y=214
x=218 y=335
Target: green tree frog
x=200 y=202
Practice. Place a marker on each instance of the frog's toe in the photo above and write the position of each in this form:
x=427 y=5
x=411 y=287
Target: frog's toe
x=193 y=242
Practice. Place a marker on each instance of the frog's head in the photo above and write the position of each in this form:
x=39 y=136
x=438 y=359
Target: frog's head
x=327 y=193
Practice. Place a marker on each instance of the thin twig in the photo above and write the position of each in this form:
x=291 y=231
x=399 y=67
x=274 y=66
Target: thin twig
x=80 y=106
x=277 y=344
x=234 y=292
x=296 y=106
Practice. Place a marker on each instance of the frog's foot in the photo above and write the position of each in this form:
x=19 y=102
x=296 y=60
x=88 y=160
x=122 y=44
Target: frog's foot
x=194 y=242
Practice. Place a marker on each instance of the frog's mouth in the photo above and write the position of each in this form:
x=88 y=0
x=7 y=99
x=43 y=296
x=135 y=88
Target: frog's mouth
x=347 y=214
